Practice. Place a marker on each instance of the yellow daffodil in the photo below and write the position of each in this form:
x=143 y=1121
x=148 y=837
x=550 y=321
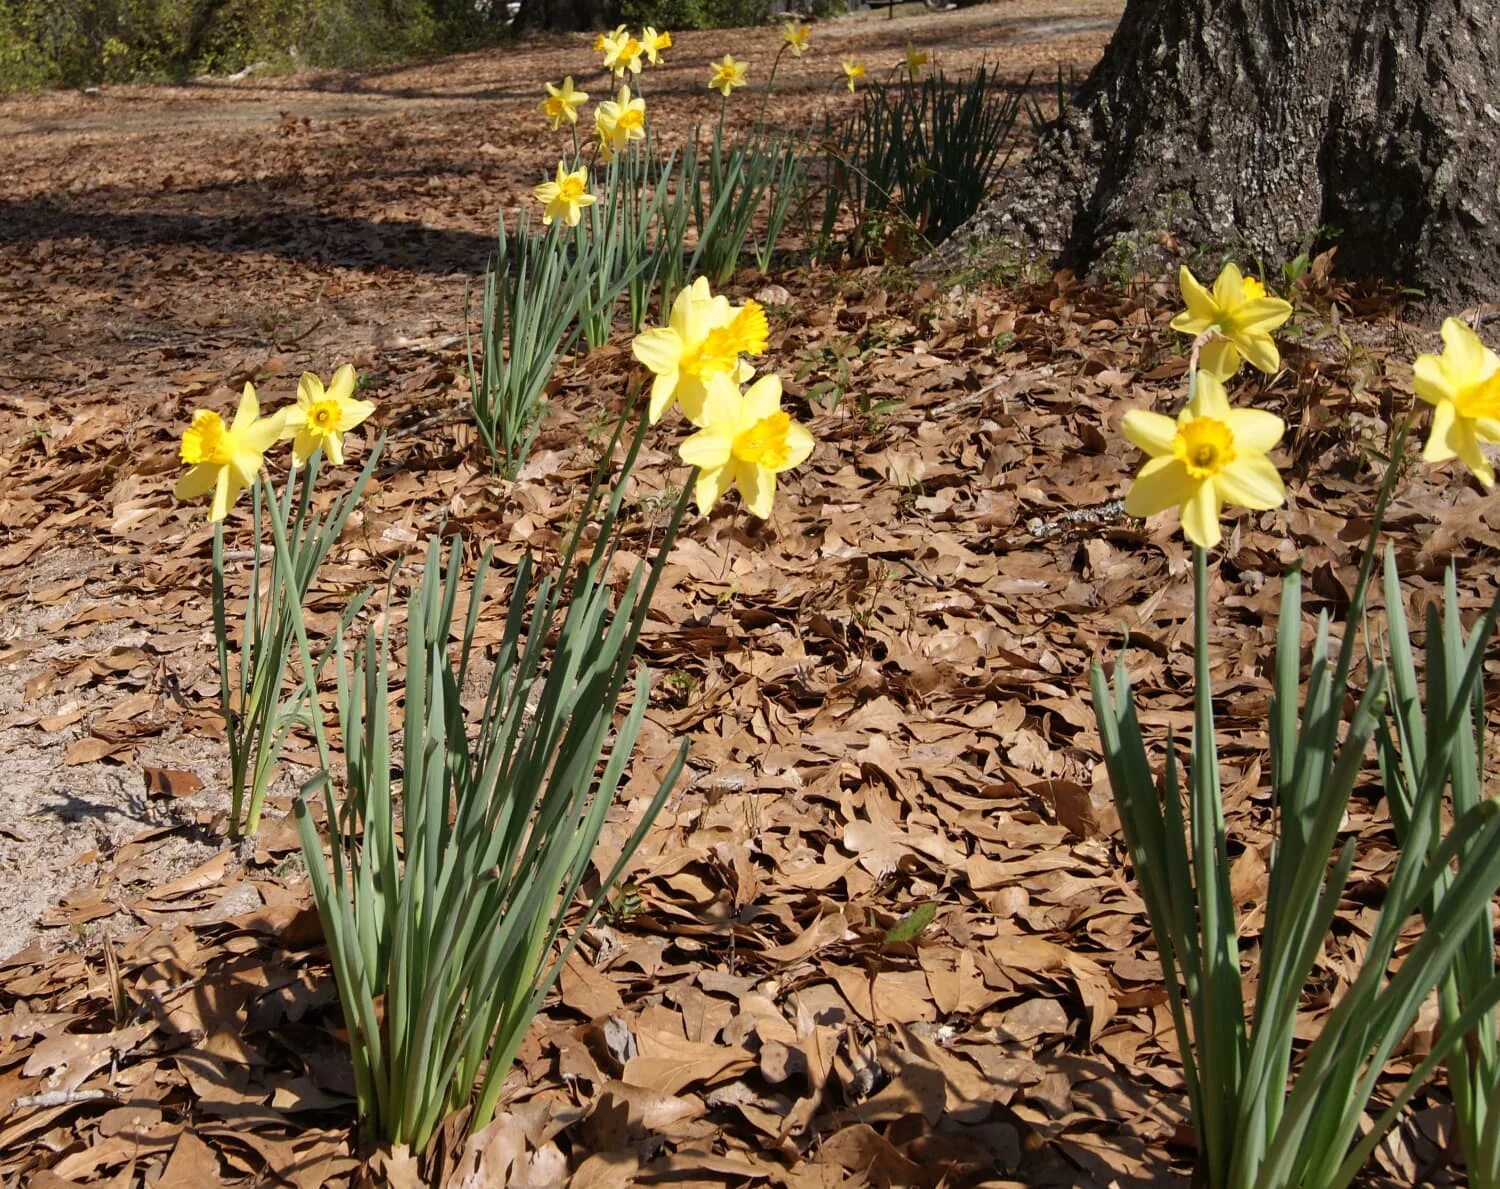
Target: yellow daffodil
x=321 y=417
x=1463 y=387
x=652 y=43
x=726 y=75
x=913 y=62
x=562 y=103
x=853 y=71
x=795 y=34
x=619 y=121
x=622 y=52
x=700 y=348
x=1240 y=311
x=1211 y=455
x=226 y=459
x=745 y=442
x=566 y=196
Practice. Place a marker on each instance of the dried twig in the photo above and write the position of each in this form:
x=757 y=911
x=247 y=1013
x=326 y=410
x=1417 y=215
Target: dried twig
x=66 y=1098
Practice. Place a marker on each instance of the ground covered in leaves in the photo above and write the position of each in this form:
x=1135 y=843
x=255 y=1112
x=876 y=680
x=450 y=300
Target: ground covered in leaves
x=883 y=932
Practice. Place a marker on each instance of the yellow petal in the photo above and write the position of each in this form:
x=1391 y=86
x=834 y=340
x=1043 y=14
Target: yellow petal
x=1201 y=307
x=692 y=395
x=222 y=497
x=1437 y=448
x=341 y=387
x=1200 y=517
x=333 y=446
x=1189 y=323
x=663 y=392
x=1229 y=289
x=1209 y=398
x=197 y=482
x=721 y=407
x=1466 y=446
x=1149 y=431
x=710 y=488
x=1255 y=429
x=261 y=435
x=303 y=446
x=660 y=348
x=1163 y=483
x=762 y=398
x=309 y=389
x=708 y=448
x=1251 y=481
x=1432 y=381
x=1220 y=358
x=1262 y=313
x=1259 y=349
x=758 y=490
x=248 y=411
x=353 y=413
x=799 y=444
x=1464 y=353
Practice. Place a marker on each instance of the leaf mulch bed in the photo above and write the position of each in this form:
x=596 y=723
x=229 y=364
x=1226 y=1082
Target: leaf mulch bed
x=884 y=687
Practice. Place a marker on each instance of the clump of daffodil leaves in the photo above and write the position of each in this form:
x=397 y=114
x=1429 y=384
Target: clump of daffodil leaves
x=1259 y=1123
x=224 y=461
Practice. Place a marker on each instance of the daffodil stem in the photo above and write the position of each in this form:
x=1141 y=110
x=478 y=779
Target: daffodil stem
x=760 y=120
x=1221 y=1038
x=1394 y=466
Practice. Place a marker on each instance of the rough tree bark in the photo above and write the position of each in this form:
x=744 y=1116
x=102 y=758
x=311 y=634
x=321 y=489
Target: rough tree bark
x=563 y=16
x=1258 y=127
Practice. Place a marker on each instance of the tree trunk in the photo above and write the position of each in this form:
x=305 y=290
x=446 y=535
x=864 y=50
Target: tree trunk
x=1260 y=128
x=564 y=16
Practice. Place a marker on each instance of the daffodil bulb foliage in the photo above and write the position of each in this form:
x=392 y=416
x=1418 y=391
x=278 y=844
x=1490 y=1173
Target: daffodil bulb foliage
x=322 y=416
x=745 y=441
x=700 y=348
x=1213 y=454
x=226 y=458
x=1241 y=317
x=1463 y=387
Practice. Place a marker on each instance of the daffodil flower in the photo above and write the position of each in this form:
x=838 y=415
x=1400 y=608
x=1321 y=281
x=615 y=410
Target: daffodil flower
x=225 y=460
x=562 y=103
x=1211 y=455
x=619 y=121
x=652 y=43
x=795 y=34
x=913 y=62
x=726 y=75
x=745 y=442
x=853 y=71
x=1463 y=387
x=321 y=417
x=699 y=348
x=622 y=52
x=565 y=197
x=1239 y=310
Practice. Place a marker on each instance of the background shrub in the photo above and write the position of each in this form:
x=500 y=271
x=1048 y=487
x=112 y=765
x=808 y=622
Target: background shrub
x=85 y=42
